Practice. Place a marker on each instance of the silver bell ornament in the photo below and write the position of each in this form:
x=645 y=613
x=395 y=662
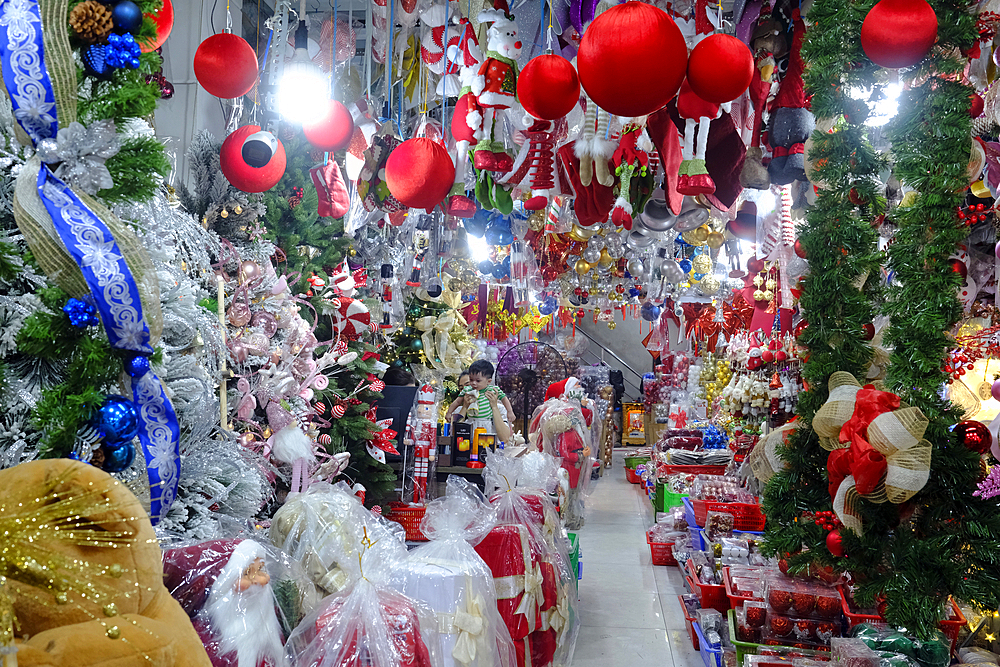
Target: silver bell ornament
x=634 y=267
x=691 y=216
x=656 y=215
x=671 y=271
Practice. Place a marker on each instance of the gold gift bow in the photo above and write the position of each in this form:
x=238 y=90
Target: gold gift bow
x=471 y=626
x=530 y=585
x=898 y=435
x=443 y=353
x=557 y=618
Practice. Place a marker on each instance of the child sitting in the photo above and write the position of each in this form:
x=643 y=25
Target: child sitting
x=480 y=401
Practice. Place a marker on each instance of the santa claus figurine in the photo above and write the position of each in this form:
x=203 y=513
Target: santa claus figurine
x=224 y=586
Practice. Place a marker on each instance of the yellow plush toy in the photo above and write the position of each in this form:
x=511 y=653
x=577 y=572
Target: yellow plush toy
x=81 y=570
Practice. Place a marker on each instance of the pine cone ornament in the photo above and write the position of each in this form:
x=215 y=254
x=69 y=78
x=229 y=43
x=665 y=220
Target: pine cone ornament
x=296 y=198
x=91 y=21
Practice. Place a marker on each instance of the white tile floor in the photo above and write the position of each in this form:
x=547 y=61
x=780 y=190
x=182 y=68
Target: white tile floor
x=628 y=607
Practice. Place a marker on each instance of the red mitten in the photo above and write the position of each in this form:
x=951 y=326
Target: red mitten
x=334 y=200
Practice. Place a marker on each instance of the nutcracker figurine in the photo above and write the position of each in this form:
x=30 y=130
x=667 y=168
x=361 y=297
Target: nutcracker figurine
x=424 y=441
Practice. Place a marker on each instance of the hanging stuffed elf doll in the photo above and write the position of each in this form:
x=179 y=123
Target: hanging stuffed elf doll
x=630 y=158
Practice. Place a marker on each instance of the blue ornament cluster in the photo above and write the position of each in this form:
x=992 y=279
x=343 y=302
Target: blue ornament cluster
x=713 y=438
x=118 y=423
x=122 y=51
x=81 y=313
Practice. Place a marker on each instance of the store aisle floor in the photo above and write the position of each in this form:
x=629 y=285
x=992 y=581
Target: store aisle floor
x=629 y=611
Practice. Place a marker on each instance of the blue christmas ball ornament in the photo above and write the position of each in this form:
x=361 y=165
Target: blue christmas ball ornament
x=80 y=313
x=118 y=458
x=486 y=267
x=475 y=226
x=137 y=366
x=649 y=311
x=499 y=271
x=685 y=265
x=699 y=276
x=117 y=420
x=548 y=306
x=127 y=17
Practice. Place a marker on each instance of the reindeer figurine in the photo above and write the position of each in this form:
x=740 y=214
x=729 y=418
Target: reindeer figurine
x=495 y=89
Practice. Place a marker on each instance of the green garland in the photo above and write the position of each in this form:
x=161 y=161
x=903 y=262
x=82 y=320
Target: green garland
x=837 y=295
x=944 y=541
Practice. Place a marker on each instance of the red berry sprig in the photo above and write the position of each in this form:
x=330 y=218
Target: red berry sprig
x=827 y=520
x=973 y=213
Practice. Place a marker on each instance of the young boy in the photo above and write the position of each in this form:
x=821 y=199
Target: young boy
x=480 y=401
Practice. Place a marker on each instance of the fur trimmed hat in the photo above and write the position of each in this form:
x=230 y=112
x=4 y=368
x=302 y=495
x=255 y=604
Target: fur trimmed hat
x=193 y=574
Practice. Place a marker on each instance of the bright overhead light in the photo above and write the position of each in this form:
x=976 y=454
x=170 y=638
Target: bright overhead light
x=304 y=88
x=882 y=110
x=479 y=249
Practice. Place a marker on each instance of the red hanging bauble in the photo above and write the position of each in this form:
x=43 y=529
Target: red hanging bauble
x=744 y=226
x=800 y=249
x=974 y=435
x=799 y=328
x=868 y=331
x=333 y=130
x=240 y=174
x=976 y=105
x=899 y=33
x=720 y=68
x=225 y=65
x=548 y=87
x=419 y=173
x=164 y=20
x=959 y=267
x=834 y=542
x=611 y=51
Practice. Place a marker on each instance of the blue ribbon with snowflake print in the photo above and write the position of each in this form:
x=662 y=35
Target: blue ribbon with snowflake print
x=92 y=246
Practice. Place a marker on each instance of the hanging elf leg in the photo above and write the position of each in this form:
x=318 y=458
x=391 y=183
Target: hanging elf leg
x=621 y=214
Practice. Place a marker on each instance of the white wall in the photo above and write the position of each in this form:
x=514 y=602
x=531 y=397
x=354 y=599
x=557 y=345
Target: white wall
x=191 y=108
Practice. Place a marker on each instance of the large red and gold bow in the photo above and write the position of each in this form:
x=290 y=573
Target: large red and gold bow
x=700 y=321
x=877 y=447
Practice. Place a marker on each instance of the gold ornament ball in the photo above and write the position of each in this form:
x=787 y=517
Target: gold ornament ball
x=702 y=263
x=454 y=285
x=715 y=240
x=697 y=236
x=768 y=295
x=612 y=325
x=758 y=280
x=238 y=210
x=771 y=283
x=224 y=213
x=582 y=266
x=710 y=285
x=536 y=221
x=758 y=295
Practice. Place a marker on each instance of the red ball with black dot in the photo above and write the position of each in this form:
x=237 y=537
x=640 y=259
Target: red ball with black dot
x=780 y=600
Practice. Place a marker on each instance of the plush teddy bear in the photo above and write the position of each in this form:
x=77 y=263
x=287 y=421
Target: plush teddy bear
x=131 y=618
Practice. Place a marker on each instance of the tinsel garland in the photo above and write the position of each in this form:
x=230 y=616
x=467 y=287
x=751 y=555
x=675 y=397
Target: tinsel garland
x=837 y=294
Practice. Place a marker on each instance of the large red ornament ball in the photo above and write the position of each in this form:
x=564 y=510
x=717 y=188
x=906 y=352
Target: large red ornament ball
x=225 y=65
x=241 y=175
x=720 y=68
x=899 y=33
x=974 y=435
x=835 y=543
x=419 y=173
x=548 y=87
x=333 y=130
x=613 y=50
x=164 y=20
x=976 y=105
x=800 y=249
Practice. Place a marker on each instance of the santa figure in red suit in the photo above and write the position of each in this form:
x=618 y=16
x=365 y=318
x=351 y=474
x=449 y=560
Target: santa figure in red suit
x=224 y=586
x=561 y=427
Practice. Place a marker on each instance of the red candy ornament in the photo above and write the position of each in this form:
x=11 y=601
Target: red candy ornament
x=720 y=68
x=899 y=33
x=608 y=55
x=333 y=130
x=419 y=173
x=240 y=174
x=834 y=542
x=548 y=87
x=225 y=65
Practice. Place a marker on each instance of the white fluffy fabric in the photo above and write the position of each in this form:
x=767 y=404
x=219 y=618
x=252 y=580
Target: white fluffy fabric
x=290 y=444
x=245 y=622
x=623 y=204
x=601 y=147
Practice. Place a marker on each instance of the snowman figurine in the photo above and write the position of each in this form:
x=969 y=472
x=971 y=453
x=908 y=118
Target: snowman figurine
x=495 y=89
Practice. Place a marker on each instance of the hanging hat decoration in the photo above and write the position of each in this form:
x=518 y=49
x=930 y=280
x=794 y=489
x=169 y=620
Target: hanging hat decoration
x=225 y=65
x=610 y=51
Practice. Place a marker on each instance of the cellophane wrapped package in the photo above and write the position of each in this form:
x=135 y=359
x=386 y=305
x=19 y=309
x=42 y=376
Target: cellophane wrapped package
x=225 y=587
x=449 y=576
x=312 y=528
x=368 y=623
x=528 y=553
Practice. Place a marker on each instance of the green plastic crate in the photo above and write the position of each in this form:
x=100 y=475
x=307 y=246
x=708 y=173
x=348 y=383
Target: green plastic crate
x=748 y=648
x=663 y=500
x=632 y=462
x=574 y=554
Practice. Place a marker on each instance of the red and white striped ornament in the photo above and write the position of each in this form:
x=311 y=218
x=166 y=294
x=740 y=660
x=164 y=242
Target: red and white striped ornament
x=324 y=439
x=377 y=385
x=372 y=327
x=377 y=510
x=354 y=318
x=340 y=348
x=319 y=407
x=338 y=410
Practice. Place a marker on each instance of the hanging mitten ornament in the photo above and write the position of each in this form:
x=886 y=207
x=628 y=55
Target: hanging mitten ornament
x=791 y=122
x=495 y=88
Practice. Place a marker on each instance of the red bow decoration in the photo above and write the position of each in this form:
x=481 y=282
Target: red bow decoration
x=860 y=459
x=382 y=439
x=369 y=355
x=736 y=317
x=680 y=418
x=700 y=319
